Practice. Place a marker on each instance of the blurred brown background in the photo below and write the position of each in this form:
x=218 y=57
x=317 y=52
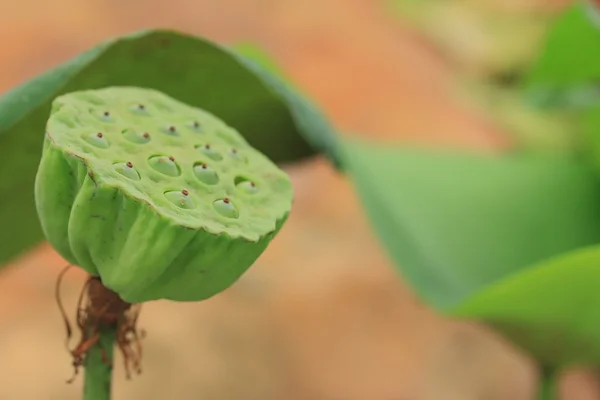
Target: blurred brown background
x=323 y=314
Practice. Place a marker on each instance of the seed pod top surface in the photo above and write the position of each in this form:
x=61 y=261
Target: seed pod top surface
x=185 y=163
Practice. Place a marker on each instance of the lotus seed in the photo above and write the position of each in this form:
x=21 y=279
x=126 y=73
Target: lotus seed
x=180 y=199
x=97 y=140
x=195 y=126
x=226 y=208
x=127 y=170
x=235 y=154
x=210 y=152
x=164 y=165
x=170 y=130
x=139 y=109
x=206 y=174
x=102 y=116
x=136 y=137
x=247 y=187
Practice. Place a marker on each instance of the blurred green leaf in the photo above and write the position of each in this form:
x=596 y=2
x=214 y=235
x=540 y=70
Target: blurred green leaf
x=551 y=309
x=256 y=53
x=272 y=117
x=530 y=129
x=310 y=122
x=455 y=223
x=567 y=70
x=479 y=38
x=589 y=129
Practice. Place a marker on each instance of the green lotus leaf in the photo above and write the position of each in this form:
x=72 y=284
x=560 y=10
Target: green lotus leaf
x=272 y=117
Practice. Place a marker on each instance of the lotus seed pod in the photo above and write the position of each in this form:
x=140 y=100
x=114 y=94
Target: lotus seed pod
x=159 y=199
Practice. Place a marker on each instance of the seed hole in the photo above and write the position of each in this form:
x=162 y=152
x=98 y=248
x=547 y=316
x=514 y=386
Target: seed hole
x=136 y=136
x=195 y=126
x=140 y=109
x=226 y=208
x=206 y=174
x=180 y=198
x=104 y=115
x=210 y=152
x=96 y=139
x=245 y=185
x=165 y=165
x=170 y=130
x=127 y=170
x=236 y=155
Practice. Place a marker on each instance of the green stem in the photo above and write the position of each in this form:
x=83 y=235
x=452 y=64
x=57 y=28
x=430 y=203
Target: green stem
x=98 y=366
x=549 y=386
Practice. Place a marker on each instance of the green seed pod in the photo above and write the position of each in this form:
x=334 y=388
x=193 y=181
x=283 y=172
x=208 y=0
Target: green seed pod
x=159 y=199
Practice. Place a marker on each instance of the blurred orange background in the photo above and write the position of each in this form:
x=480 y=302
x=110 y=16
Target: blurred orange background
x=323 y=314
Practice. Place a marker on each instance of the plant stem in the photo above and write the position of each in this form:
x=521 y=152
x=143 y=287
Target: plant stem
x=105 y=316
x=106 y=322
x=548 y=386
x=98 y=366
